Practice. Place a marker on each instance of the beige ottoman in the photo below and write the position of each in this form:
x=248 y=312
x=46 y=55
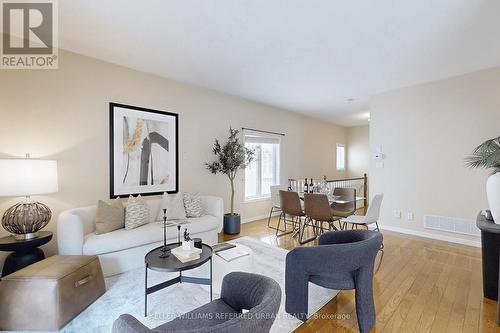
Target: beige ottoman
x=45 y=296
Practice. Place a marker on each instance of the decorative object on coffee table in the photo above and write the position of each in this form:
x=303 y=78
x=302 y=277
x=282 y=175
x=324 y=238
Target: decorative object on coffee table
x=231 y=157
x=26 y=177
x=164 y=251
x=24 y=252
x=197 y=242
x=487 y=156
x=144 y=156
x=187 y=243
x=172 y=264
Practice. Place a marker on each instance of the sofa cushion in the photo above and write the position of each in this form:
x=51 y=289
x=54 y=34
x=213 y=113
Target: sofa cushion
x=136 y=212
x=109 y=217
x=122 y=239
x=174 y=206
x=192 y=204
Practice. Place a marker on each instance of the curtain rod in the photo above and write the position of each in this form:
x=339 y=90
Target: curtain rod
x=251 y=129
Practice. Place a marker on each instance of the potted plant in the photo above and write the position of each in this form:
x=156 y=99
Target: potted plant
x=487 y=156
x=231 y=157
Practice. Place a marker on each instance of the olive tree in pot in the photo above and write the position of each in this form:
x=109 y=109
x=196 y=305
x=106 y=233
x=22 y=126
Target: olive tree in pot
x=487 y=156
x=231 y=157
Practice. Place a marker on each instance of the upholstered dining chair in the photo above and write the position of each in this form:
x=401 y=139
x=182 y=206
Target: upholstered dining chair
x=371 y=217
x=291 y=207
x=275 y=201
x=346 y=208
x=258 y=294
x=317 y=210
x=343 y=260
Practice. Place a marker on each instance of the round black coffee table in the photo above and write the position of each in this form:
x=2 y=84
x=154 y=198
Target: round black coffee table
x=172 y=264
x=24 y=252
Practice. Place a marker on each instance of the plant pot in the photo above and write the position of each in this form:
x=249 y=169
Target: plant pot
x=232 y=224
x=493 y=192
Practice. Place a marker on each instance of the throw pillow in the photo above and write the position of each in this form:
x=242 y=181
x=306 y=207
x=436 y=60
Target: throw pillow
x=174 y=206
x=109 y=216
x=192 y=204
x=136 y=213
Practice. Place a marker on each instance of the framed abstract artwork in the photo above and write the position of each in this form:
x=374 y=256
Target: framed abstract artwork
x=144 y=156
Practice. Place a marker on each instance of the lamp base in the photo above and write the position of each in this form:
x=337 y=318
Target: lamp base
x=25 y=219
x=21 y=237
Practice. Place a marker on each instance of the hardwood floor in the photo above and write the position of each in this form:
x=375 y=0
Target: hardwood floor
x=420 y=285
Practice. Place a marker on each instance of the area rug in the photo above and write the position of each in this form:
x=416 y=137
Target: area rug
x=125 y=294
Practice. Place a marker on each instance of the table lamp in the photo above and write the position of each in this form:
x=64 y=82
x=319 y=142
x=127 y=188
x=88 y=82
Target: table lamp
x=26 y=177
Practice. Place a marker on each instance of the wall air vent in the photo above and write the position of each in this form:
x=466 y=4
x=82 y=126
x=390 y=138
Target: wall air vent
x=451 y=224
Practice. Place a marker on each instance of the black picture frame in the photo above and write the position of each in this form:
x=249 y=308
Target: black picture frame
x=147 y=114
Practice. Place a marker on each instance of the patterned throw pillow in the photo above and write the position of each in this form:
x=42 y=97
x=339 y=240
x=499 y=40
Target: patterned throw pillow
x=192 y=204
x=174 y=206
x=136 y=212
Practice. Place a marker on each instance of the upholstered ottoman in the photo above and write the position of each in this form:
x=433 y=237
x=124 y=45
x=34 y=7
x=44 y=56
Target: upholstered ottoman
x=45 y=296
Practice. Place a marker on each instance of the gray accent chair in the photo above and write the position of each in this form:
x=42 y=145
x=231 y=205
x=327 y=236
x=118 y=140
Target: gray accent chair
x=343 y=260
x=240 y=291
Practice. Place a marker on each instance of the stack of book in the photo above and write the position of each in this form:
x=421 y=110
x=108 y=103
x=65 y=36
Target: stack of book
x=228 y=251
x=186 y=255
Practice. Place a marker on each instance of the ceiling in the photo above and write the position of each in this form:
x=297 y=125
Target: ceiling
x=324 y=58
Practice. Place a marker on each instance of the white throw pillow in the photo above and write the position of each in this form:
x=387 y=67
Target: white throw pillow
x=136 y=212
x=192 y=204
x=174 y=205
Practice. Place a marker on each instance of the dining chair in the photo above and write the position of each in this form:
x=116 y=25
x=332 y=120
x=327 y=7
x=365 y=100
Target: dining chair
x=317 y=210
x=371 y=217
x=275 y=201
x=346 y=208
x=290 y=205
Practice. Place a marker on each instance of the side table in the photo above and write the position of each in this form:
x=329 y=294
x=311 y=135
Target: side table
x=24 y=252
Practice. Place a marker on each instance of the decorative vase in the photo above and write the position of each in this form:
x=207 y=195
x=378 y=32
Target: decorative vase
x=187 y=245
x=493 y=192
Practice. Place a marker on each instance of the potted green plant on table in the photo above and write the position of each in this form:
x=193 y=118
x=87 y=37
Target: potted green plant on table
x=487 y=156
x=231 y=157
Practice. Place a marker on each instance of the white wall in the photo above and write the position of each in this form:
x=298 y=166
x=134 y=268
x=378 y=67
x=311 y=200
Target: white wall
x=358 y=151
x=425 y=132
x=63 y=114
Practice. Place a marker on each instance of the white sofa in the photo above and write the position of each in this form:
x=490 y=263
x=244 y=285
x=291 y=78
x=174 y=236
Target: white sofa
x=122 y=250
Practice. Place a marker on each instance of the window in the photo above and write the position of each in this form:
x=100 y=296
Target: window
x=340 y=157
x=264 y=171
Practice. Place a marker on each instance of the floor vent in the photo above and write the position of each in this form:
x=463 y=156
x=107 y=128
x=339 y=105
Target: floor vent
x=451 y=224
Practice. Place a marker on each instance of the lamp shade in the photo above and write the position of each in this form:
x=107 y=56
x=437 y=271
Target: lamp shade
x=23 y=177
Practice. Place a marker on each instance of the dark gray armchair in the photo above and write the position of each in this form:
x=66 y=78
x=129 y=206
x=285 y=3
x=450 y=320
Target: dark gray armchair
x=240 y=291
x=343 y=260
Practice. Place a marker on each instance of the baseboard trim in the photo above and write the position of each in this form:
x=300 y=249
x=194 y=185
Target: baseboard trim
x=400 y=230
x=259 y=217
x=431 y=236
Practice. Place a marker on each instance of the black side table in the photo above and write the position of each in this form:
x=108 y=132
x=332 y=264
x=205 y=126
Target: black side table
x=24 y=252
x=490 y=247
